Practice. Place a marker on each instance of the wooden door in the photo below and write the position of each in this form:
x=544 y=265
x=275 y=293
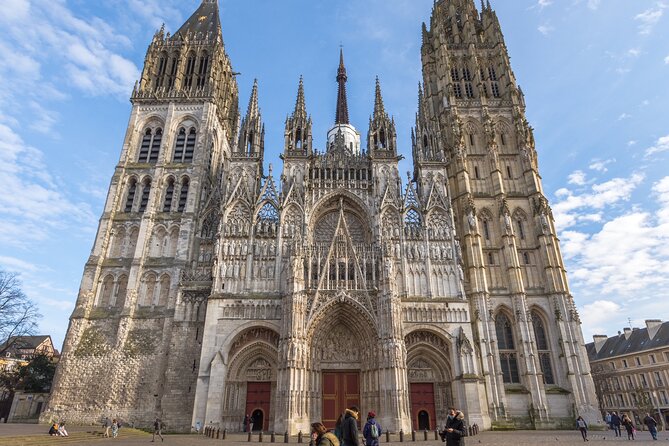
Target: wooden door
x=422 y=400
x=258 y=396
x=340 y=391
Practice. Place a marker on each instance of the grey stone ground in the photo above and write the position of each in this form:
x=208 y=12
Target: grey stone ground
x=31 y=434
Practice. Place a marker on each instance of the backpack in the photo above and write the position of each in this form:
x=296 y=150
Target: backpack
x=373 y=430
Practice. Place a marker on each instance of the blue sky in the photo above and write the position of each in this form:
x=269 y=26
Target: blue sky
x=594 y=73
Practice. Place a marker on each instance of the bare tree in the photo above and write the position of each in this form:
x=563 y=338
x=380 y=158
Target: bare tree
x=18 y=314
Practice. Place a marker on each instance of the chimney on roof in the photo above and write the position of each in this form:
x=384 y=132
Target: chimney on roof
x=628 y=332
x=599 y=342
x=653 y=326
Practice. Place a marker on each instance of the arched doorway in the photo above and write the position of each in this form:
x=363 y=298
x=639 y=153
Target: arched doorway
x=423 y=420
x=344 y=347
x=258 y=420
x=429 y=376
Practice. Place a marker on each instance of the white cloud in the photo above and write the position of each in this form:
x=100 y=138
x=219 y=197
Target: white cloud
x=577 y=177
x=600 y=165
x=649 y=18
x=32 y=202
x=594 y=4
x=546 y=29
x=662 y=145
x=624 y=116
x=631 y=143
x=666 y=60
x=596 y=316
x=634 y=52
x=572 y=209
x=544 y=3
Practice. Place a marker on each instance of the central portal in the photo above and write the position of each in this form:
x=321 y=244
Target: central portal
x=340 y=391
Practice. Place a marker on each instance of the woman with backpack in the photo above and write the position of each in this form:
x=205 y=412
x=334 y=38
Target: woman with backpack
x=372 y=430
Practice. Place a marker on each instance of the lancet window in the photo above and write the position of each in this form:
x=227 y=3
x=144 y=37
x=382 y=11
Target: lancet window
x=150 y=146
x=543 y=349
x=507 y=349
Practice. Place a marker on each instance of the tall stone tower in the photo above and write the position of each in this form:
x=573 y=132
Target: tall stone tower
x=133 y=345
x=471 y=122
x=214 y=291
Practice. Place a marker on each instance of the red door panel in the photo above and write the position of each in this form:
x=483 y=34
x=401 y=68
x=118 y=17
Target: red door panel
x=340 y=390
x=422 y=399
x=258 y=395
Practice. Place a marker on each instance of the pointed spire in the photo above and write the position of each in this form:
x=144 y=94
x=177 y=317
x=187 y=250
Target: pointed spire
x=252 y=110
x=300 y=105
x=204 y=24
x=420 y=101
x=379 y=109
x=341 y=116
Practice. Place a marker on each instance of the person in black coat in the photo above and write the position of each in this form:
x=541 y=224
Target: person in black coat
x=615 y=423
x=349 y=427
x=454 y=431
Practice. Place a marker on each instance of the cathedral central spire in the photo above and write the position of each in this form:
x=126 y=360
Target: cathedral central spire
x=342 y=105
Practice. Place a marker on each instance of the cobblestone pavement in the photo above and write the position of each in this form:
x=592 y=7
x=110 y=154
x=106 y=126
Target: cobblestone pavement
x=34 y=435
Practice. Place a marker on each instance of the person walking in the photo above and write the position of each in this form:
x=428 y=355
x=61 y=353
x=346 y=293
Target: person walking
x=349 y=427
x=607 y=420
x=322 y=437
x=372 y=430
x=615 y=423
x=629 y=427
x=114 y=428
x=106 y=424
x=247 y=420
x=454 y=431
x=652 y=425
x=157 y=430
x=583 y=427
x=337 y=429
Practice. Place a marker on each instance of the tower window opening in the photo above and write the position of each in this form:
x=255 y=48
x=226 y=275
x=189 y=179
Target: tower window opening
x=162 y=66
x=144 y=147
x=190 y=69
x=298 y=138
x=202 y=72
x=426 y=144
x=169 y=194
x=492 y=73
x=502 y=138
x=179 y=146
x=183 y=195
x=521 y=229
x=173 y=72
x=526 y=258
x=476 y=173
x=154 y=150
x=382 y=139
x=471 y=139
x=457 y=90
x=507 y=349
x=491 y=259
x=249 y=144
x=132 y=190
x=508 y=172
x=495 y=90
x=466 y=74
x=150 y=147
x=146 y=190
x=455 y=75
x=190 y=146
x=486 y=230
x=469 y=90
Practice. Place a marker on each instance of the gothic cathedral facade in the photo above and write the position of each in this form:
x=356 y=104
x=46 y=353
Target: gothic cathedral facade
x=213 y=291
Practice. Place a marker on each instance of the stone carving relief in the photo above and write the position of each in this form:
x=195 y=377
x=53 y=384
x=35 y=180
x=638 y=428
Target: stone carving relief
x=338 y=346
x=420 y=370
x=259 y=370
x=254 y=335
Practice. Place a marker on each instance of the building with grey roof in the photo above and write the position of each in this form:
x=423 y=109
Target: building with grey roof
x=631 y=371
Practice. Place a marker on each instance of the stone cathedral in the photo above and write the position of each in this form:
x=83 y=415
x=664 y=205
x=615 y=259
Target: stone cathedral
x=216 y=288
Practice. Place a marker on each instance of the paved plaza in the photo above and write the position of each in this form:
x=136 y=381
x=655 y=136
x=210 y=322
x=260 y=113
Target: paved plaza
x=35 y=435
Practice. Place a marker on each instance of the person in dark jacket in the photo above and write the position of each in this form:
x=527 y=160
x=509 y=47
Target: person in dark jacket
x=337 y=429
x=615 y=423
x=652 y=425
x=372 y=430
x=322 y=437
x=629 y=427
x=349 y=427
x=454 y=431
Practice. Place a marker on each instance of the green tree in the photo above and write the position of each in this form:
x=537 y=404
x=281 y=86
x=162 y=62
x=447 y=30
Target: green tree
x=34 y=377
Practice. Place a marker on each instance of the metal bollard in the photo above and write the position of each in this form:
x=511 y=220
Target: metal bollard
x=260 y=437
x=218 y=433
x=436 y=434
x=413 y=435
x=469 y=430
x=249 y=437
x=425 y=435
x=387 y=437
x=285 y=437
x=299 y=437
x=272 y=439
x=225 y=433
x=401 y=436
